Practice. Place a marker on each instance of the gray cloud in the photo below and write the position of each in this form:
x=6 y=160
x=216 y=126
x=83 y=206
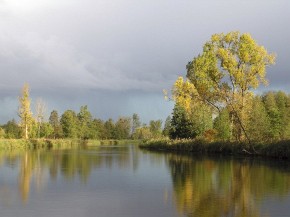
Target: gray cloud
x=66 y=50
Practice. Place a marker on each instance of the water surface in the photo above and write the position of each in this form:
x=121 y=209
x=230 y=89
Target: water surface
x=113 y=181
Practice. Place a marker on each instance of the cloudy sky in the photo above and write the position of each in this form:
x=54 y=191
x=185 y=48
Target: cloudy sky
x=116 y=56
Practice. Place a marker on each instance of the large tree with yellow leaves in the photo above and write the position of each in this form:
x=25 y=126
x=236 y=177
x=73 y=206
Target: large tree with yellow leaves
x=223 y=75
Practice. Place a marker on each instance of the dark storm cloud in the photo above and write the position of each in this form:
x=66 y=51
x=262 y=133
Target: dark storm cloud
x=70 y=50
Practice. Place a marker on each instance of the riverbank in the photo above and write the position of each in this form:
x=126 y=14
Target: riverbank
x=7 y=144
x=95 y=142
x=279 y=149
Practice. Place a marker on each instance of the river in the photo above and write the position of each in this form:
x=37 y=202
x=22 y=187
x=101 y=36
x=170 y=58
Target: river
x=117 y=181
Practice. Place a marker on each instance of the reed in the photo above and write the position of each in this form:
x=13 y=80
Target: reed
x=8 y=144
x=277 y=149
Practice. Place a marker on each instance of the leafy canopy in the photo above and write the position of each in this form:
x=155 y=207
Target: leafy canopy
x=230 y=65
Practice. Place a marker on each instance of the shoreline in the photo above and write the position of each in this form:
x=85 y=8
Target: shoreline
x=9 y=144
x=278 y=149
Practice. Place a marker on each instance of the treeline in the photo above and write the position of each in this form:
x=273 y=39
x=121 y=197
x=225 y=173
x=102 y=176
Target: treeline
x=82 y=125
x=73 y=124
x=267 y=119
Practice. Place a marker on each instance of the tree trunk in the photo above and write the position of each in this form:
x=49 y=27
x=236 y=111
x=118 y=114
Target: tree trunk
x=26 y=131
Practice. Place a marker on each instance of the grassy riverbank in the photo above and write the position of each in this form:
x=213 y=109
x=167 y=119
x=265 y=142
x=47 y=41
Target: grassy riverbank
x=95 y=142
x=57 y=143
x=38 y=143
x=279 y=149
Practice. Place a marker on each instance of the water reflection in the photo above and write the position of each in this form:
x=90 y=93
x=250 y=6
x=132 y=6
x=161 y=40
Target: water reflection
x=139 y=182
x=69 y=164
x=217 y=187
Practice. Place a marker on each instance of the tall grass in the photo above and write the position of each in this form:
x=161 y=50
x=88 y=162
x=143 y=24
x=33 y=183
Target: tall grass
x=8 y=144
x=95 y=142
x=38 y=143
x=278 y=149
x=13 y=144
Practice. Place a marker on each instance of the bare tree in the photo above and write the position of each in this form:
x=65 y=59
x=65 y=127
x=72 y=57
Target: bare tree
x=40 y=109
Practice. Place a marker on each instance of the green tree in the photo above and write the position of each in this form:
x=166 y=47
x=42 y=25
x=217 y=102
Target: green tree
x=197 y=113
x=2 y=133
x=122 y=128
x=99 y=129
x=69 y=124
x=46 y=130
x=33 y=132
x=55 y=123
x=259 y=123
x=230 y=66
x=142 y=133
x=283 y=104
x=85 y=121
x=181 y=126
x=109 y=129
x=24 y=111
x=155 y=127
x=273 y=114
x=222 y=125
x=12 y=130
x=201 y=118
x=167 y=126
x=135 y=122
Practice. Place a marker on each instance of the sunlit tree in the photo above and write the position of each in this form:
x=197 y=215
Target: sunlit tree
x=24 y=111
x=191 y=115
x=69 y=124
x=230 y=66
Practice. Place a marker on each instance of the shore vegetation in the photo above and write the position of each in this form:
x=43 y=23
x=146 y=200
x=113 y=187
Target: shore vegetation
x=216 y=108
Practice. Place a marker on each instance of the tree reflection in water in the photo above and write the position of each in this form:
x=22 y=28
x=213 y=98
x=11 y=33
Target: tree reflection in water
x=201 y=186
x=69 y=164
x=208 y=187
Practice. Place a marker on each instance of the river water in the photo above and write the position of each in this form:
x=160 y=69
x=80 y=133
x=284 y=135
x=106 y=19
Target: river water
x=117 y=181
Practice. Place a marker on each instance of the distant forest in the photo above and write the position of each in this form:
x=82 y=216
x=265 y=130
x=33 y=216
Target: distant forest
x=73 y=124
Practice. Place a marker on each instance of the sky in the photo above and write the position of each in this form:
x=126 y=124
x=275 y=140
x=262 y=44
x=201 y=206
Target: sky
x=116 y=56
